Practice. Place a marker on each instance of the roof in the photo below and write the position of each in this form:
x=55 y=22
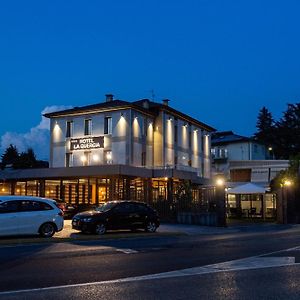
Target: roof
x=248 y=188
x=151 y=108
x=156 y=107
x=227 y=137
x=104 y=106
x=14 y=197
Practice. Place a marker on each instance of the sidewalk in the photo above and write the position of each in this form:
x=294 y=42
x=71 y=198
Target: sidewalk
x=68 y=234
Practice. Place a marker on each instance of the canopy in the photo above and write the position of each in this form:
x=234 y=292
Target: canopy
x=248 y=188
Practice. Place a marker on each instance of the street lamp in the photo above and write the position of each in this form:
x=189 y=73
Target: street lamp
x=220 y=201
x=285 y=184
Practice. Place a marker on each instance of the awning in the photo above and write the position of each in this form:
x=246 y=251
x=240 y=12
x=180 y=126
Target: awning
x=248 y=188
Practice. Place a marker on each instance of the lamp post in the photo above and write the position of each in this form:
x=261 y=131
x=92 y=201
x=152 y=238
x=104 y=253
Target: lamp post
x=271 y=152
x=220 y=201
x=285 y=185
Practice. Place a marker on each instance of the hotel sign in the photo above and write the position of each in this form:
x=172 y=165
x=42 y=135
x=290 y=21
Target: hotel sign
x=87 y=143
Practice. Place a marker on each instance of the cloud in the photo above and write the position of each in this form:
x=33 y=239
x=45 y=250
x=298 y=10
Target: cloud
x=37 y=138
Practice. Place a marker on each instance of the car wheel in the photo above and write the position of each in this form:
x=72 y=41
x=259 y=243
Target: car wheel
x=151 y=227
x=100 y=228
x=47 y=230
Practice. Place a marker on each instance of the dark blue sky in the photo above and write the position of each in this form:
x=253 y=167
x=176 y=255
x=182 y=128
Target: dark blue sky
x=219 y=61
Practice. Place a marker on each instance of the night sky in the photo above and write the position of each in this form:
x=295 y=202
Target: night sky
x=218 y=61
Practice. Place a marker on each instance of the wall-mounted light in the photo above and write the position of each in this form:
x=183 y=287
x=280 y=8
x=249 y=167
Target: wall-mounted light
x=108 y=156
x=196 y=130
x=96 y=157
x=185 y=125
x=83 y=158
x=170 y=119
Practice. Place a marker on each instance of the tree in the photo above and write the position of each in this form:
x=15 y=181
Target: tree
x=10 y=156
x=291 y=173
x=288 y=133
x=265 y=128
x=26 y=160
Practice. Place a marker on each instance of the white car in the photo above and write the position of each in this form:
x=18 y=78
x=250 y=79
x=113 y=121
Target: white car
x=20 y=215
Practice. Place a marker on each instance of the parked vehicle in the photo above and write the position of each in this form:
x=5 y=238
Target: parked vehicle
x=20 y=215
x=117 y=215
x=70 y=209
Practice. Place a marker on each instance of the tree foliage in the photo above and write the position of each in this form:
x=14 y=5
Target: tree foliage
x=24 y=160
x=284 y=135
x=10 y=156
x=292 y=174
x=265 y=127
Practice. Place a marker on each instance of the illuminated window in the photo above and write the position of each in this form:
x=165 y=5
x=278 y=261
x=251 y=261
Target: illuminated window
x=87 y=127
x=69 y=129
x=107 y=125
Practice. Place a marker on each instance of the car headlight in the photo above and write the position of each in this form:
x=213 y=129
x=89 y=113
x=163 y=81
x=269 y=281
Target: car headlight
x=87 y=219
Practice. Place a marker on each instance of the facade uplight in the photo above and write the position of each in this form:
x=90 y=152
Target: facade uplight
x=108 y=155
x=96 y=157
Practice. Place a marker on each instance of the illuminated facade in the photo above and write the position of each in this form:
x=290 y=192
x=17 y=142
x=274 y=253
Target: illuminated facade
x=116 y=149
x=140 y=134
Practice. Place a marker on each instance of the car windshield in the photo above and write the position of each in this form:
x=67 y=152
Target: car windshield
x=106 y=206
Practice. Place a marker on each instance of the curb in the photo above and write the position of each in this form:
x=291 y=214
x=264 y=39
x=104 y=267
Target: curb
x=39 y=240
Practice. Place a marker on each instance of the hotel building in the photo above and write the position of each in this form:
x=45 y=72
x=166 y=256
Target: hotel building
x=116 y=149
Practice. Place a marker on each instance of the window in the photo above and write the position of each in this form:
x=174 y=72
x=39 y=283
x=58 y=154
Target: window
x=107 y=125
x=142 y=208
x=69 y=160
x=108 y=156
x=34 y=206
x=190 y=138
x=125 y=208
x=9 y=207
x=144 y=127
x=69 y=129
x=175 y=133
x=87 y=127
x=86 y=158
x=143 y=158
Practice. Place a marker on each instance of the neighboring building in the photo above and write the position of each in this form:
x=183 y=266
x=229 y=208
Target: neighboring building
x=243 y=160
x=228 y=146
x=113 y=150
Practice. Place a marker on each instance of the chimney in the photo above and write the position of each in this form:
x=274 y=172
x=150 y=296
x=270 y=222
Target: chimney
x=109 y=97
x=166 y=102
x=146 y=103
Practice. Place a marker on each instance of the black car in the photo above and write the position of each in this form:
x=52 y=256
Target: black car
x=117 y=215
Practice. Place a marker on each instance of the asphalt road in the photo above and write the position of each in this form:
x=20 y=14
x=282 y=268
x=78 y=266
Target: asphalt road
x=105 y=262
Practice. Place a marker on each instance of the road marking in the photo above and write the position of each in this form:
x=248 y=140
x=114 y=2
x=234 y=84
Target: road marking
x=127 y=251
x=251 y=263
